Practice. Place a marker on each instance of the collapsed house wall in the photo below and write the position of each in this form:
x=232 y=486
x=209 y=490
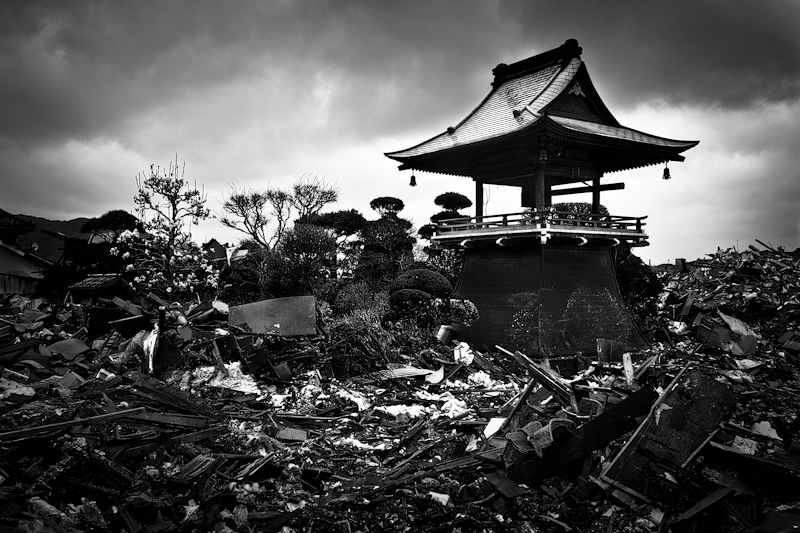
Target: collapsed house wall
x=18 y=273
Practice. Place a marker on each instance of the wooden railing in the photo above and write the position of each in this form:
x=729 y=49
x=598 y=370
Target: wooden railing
x=552 y=220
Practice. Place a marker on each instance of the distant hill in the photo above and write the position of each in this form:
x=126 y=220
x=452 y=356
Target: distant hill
x=50 y=248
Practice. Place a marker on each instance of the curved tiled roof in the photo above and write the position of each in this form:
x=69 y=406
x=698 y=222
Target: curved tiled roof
x=513 y=105
x=520 y=100
x=619 y=132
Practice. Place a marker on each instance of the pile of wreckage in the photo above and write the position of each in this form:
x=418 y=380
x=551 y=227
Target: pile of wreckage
x=141 y=415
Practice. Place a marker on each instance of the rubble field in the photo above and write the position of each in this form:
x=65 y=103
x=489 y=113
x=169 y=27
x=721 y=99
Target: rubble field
x=148 y=416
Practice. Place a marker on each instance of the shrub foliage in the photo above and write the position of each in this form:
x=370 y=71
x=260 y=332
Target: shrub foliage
x=433 y=283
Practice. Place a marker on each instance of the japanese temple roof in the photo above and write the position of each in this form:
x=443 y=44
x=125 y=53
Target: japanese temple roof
x=621 y=133
x=549 y=93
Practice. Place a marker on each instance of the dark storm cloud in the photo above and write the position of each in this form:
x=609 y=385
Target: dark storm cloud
x=78 y=69
x=712 y=52
x=81 y=69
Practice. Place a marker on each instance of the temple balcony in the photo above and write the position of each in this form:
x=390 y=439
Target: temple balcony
x=546 y=226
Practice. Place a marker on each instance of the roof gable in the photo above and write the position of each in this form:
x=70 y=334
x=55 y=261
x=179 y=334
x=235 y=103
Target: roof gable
x=580 y=100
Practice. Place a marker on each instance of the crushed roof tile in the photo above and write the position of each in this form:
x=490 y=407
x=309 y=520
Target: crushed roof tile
x=96 y=282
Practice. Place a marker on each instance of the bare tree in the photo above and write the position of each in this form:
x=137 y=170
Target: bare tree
x=310 y=194
x=281 y=202
x=264 y=215
x=260 y=214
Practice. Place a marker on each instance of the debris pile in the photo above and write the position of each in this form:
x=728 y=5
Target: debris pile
x=154 y=416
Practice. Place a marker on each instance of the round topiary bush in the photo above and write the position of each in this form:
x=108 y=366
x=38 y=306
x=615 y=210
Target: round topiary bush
x=453 y=201
x=407 y=299
x=410 y=303
x=433 y=283
x=450 y=216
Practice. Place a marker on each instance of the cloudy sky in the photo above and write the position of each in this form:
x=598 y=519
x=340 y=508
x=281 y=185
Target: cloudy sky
x=255 y=94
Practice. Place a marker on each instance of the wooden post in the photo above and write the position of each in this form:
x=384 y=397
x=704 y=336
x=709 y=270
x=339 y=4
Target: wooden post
x=596 y=195
x=548 y=192
x=478 y=200
x=540 y=188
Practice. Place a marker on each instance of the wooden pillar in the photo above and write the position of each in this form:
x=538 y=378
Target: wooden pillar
x=596 y=195
x=548 y=192
x=478 y=199
x=540 y=188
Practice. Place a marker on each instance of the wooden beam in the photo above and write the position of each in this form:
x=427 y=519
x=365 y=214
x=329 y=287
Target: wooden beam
x=597 y=433
x=89 y=420
x=577 y=190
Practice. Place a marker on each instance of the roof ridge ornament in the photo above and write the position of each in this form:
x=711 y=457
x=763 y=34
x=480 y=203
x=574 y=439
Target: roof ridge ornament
x=560 y=56
x=569 y=50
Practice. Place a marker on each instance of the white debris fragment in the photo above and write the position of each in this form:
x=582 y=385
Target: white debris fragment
x=462 y=353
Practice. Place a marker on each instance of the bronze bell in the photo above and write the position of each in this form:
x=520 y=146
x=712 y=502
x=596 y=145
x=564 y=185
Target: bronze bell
x=666 y=175
x=542 y=156
x=413 y=180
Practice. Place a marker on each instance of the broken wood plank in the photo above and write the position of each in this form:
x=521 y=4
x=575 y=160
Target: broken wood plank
x=595 y=434
x=126 y=305
x=679 y=423
x=170 y=419
x=198 y=467
x=119 y=472
x=100 y=388
x=154 y=389
x=562 y=393
x=142 y=448
x=399 y=468
x=521 y=402
x=687 y=306
x=218 y=358
x=507 y=487
x=291 y=434
x=36 y=431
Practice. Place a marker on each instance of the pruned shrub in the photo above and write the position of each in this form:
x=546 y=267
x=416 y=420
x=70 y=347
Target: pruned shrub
x=433 y=283
x=408 y=300
x=579 y=209
x=427 y=231
x=410 y=305
x=358 y=344
x=301 y=263
x=387 y=205
x=449 y=216
x=353 y=296
x=460 y=311
x=452 y=201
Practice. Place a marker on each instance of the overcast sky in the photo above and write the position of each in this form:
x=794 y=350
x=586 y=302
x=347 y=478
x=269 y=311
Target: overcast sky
x=255 y=94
